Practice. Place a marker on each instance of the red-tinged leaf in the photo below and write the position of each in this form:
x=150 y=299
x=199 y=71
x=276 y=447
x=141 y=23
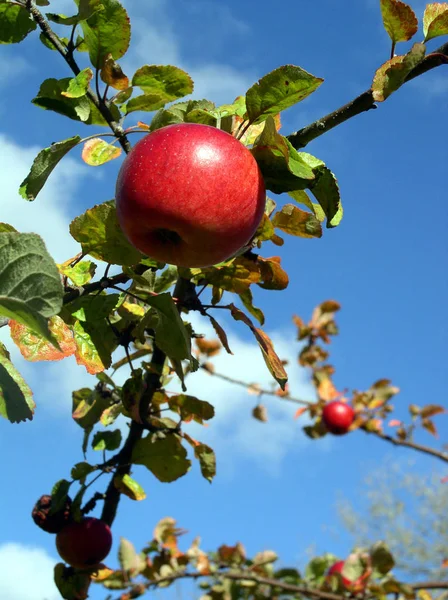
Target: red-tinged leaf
x=430 y=410
x=390 y=76
x=394 y=423
x=373 y=425
x=273 y=276
x=300 y=411
x=429 y=426
x=190 y=408
x=445 y=561
x=435 y=20
x=87 y=353
x=399 y=20
x=260 y=412
x=208 y=347
x=220 y=333
x=444 y=480
x=96 y=152
x=294 y=221
x=193 y=443
x=166 y=533
x=34 y=348
x=144 y=126
x=232 y=554
x=271 y=359
x=112 y=74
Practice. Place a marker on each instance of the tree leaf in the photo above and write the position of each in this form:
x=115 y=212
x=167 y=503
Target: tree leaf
x=81 y=273
x=35 y=347
x=167 y=82
x=260 y=412
x=435 y=20
x=399 y=20
x=72 y=585
x=294 y=221
x=273 y=277
x=107 y=440
x=279 y=90
x=166 y=458
x=172 y=336
x=100 y=235
x=207 y=460
x=282 y=166
x=247 y=300
x=30 y=284
x=16 y=398
x=381 y=557
x=144 y=102
x=88 y=406
x=43 y=165
x=15 y=23
x=325 y=189
x=50 y=97
x=87 y=8
x=96 y=152
x=79 y=85
x=130 y=561
x=129 y=487
x=112 y=74
x=430 y=410
x=107 y=32
x=81 y=470
x=190 y=408
x=221 y=334
x=390 y=76
x=271 y=359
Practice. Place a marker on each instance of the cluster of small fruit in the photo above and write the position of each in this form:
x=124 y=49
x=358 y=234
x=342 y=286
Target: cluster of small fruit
x=82 y=544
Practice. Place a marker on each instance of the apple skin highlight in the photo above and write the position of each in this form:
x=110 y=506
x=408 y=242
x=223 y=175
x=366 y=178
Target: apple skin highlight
x=190 y=195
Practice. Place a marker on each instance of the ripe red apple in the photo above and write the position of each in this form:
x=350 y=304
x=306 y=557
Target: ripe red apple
x=189 y=195
x=84 y=544
x=338 y=417
x=357 y=586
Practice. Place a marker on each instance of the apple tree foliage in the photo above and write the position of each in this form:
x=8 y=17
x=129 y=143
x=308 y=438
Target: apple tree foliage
x=139 y=315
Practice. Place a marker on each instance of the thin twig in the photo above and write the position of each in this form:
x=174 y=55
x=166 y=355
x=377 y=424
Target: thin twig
x=362 y=103
x=260 y=391
x=47 y=31
x=408 y=444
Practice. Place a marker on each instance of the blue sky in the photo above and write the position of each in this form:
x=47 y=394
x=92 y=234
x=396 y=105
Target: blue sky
x=386 y=264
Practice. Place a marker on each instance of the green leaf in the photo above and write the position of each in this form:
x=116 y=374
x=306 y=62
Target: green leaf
x=88 y=406
x=15 y=23
x=59 y=495
x=294 y=221
x=50 y=97
x=81 y=273
x=43 y=165
x=100 y=235
x=16 y=398
x=72 y=585
x=391 y=76
x=202 y=117
x=435 y=20
x=30 y=285
x=279 y=90
x=247 y=300
x=381 y=557
x=87 y=8
x=130 y=560
x=325 y=189
x=107 y=440
x=283 y=168
x=166 y=279
x=46 y=42
x=399 y=20
x=6 y=228
x=79 y=85
x=96 y=152
x=129 y=487
x=172 y=336
x=167 y=82
x=81 y=470
x=190 y=408
x=207 y=460
x=317 y=568
x=178 y=113
x=166 y=458
x=144 y=102
x=302 y=197
x=107 y=32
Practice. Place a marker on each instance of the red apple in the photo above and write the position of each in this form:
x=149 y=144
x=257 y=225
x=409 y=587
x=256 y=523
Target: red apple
x=338 y=417
x=84 y=544
x=357 y=586
x=51 y=523
x=189 y=195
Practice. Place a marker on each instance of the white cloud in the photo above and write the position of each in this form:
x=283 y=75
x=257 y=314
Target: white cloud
x=233 y=432
x=154 y=41
x=26 y=573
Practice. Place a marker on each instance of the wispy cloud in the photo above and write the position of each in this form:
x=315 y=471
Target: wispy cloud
x=26 y=573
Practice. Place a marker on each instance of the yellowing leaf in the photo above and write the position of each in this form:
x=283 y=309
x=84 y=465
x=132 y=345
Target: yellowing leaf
x=112 y=74
x=430 y=410
x=129 y=487
x=435 y=20
x=390 y=76
x=260 y=412
x=34 y=347
x=399 y=20
x=96 y=152
x=294 y=221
